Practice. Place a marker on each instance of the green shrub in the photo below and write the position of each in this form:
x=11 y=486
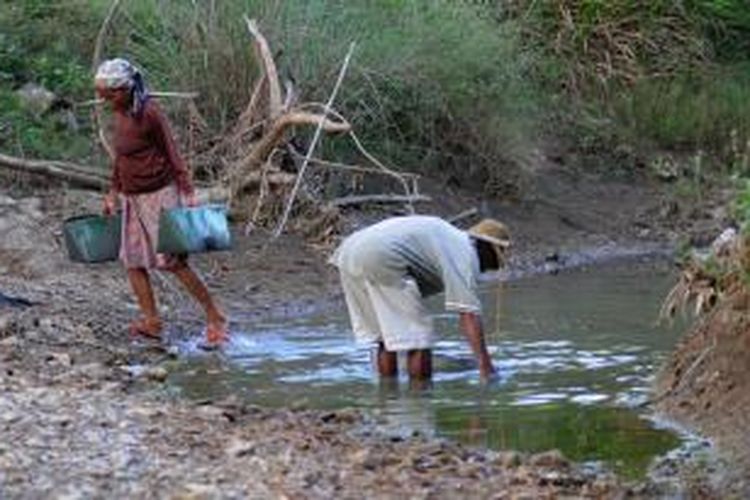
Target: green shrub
x=26 y=135
x=463 y=89
x=742 y=205
x=688 y=112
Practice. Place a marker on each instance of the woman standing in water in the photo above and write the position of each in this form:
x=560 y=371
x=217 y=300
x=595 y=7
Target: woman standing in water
x=149 y=176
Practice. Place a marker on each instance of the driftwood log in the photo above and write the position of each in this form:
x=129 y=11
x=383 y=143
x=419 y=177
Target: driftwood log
x=85 y=177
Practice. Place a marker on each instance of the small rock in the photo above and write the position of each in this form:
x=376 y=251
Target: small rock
x=6 y=200
x=359 y=457
x=32 y=335
x=6 y=324
x=155 y=373
x=11 y=341
x=552 y=459
x=239 y=447
x=193 y=491
x=59 y=358
x=93 y=371
x=67 y=119
x=508 y=459
x=35 y=98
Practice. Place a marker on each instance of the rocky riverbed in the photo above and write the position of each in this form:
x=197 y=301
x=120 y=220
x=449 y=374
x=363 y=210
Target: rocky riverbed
x=84 y=412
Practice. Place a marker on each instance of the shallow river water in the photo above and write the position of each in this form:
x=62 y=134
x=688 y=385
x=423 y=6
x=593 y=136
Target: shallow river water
x=576 y=352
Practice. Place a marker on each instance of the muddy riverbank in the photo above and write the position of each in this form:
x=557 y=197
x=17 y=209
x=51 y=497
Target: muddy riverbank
x=80 y=421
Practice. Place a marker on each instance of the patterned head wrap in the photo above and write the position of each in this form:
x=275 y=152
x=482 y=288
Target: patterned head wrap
x=119 y=73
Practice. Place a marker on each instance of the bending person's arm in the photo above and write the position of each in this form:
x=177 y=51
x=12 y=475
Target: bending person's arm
x=471 y=326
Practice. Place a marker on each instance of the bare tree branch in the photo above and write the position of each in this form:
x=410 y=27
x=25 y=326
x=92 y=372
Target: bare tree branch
x=271 y=139
x=272 y=75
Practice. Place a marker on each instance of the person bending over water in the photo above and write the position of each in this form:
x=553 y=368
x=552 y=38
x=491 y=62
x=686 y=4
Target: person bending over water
x=388 y=269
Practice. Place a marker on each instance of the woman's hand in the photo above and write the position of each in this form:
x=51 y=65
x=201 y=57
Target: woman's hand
x=189 y=199
x=110 y=203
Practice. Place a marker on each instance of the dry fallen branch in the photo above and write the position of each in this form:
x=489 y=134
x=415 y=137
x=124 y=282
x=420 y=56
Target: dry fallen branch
x=351 y=168
x=378 y=198
x=81 y=176
x=271 y=139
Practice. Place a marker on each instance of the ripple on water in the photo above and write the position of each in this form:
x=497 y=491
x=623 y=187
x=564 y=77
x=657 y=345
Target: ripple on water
x=540 y=398
x=575 y=355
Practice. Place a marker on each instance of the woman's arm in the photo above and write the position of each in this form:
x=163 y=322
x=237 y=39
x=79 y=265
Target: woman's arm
x=110 y=199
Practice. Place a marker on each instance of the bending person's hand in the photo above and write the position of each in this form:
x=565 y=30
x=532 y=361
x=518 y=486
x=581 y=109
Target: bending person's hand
x=471 y=326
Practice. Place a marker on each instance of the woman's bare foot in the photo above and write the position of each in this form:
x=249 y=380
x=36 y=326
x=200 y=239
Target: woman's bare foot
x=146 y=327
x=216 y=330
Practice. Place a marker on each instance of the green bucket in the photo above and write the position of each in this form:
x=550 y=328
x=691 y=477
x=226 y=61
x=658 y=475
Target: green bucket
x=200 y=229
x=93 y=238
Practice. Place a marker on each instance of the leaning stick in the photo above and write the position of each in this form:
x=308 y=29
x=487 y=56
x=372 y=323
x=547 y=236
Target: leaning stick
x=469 y=212
x=314 y=143
x=155 y=93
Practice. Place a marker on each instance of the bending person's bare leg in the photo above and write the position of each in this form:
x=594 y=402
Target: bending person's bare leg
x=387 y=361
x=419 y=363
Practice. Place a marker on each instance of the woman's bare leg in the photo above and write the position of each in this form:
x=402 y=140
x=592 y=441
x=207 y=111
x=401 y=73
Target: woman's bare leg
x=150 y=324
x=144 y=293
x=198 y=290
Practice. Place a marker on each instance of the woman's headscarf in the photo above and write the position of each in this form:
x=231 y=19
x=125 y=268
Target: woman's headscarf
x=119 y=73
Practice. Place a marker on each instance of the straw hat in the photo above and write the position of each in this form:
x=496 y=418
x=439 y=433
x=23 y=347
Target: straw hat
x=493 y=232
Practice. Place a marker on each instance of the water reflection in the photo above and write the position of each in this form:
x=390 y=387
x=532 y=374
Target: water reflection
x=576 y=353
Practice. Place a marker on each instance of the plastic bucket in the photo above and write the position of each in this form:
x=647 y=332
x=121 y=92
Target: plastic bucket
x=93 y=238
x=186 y=230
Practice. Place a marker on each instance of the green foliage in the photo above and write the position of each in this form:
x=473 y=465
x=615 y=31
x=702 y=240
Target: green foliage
x=466 y=89
x=688 y=111
x=662 y=75
x=24 y=134
x=742 y=206
x=727 y=25
x=432 y=84
x=45 y=43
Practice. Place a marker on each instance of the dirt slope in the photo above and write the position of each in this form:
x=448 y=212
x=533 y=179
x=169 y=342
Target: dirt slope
x=706 y=385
